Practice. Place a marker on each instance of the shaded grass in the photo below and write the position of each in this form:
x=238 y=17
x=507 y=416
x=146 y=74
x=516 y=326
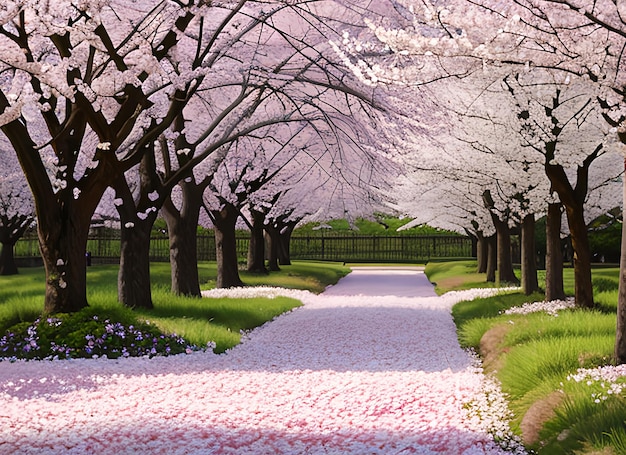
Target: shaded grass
x=199 y=321
x=533 y=355
x=217 y=320
x=453 y=276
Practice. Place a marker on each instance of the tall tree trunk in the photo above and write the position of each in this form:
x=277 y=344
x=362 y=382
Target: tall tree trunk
x=530 y=283
x=256 y=249
x=7 y=259
x=182 y=227
x=620 y=338
x=133 y=279
x=492 y=258
x=284 y=243
x=505 y=261
x=224 y=221
x=573 y=200
x=138 y=212
x=583 y=289
x=273 y=238
x=554 y=254
x=481 y=253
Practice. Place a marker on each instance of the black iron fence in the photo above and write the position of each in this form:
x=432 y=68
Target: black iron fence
x=342 y=248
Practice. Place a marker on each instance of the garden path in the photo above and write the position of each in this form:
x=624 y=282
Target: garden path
x=370 y=366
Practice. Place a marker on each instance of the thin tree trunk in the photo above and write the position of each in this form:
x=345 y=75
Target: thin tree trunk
x=256 y=250
x=481 y=253
x=620 y=338
x=530 y=283
x=554 y=254
x=492 y=258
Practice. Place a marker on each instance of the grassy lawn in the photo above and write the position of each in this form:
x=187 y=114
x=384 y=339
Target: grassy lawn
x=198 y=321
x=535 y=356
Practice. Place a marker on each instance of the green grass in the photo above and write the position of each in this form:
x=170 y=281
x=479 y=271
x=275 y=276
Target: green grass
x=454 y=276
x=199 y=321
x=533 y=355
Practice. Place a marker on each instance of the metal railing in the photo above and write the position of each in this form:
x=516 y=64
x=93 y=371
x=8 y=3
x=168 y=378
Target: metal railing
x=342 y=247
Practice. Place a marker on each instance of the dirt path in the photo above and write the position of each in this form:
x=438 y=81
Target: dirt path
x=370 y=366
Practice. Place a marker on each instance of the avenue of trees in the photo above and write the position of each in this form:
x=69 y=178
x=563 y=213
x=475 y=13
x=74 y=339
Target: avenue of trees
x=479 y=116
x=544 y=81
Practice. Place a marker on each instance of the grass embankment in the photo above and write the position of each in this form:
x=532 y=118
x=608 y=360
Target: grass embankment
x=198 y=321
x=536 y=356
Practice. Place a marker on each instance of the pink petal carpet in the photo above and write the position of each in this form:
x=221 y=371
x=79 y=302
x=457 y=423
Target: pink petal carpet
x=371 y=366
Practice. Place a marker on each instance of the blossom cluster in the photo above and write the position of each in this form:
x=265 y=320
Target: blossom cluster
x=552 y=307
x=608 y=380
x=343 y=373
x=489 y=410
x=76 y=336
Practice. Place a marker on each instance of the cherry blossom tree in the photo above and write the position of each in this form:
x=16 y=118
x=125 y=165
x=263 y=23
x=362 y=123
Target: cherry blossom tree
x=581 y=38
x=17 y=210
x=107 y=71
x=100 y=81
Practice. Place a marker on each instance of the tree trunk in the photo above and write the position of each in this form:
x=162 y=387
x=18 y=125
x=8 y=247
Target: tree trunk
x=554 y=254
x=284 y=244
x=492 y=258
x=530 y=283
x=573 y=199
x=620 y=338
x=63 y=242
x=224 y=222
x=256 y=249
x=12 y=230
x=182 y=227
x=7 y=259
x=505 y=261
x=481 y=252
x=583 y=289
x=273 y=241
x=133 y=279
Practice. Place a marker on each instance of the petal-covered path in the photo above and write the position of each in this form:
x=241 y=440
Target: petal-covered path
x=371 y=366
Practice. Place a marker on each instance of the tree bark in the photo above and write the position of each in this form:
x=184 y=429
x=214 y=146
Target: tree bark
x=284 y=243
x=7 y=259
x=11 y=231
x=63 y=242
x=481 y=253
x=256 y=249
x=505 y=262
x=492 y=258
x=573 y=200
x=133 y=279
x=620 y=338
x=583 y=288
x=530 y=283
x=554 y=254
x=182 y=227
x=273 y=237
x=224 y=221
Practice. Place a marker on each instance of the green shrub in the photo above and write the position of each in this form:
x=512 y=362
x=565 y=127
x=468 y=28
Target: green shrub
x=84 y=335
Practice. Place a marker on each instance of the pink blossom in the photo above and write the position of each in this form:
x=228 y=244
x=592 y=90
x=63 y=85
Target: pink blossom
x=342 y=374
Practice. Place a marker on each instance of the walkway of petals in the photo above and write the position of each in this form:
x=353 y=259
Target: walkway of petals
x=344 y=374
